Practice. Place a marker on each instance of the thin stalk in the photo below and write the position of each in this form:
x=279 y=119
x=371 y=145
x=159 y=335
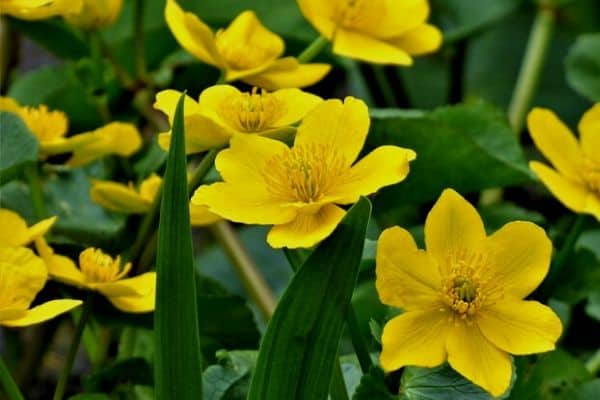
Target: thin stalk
x=61 y=386
x=121 y=73
x=221 y=79
x=313 y=49
x=358 y=341
x=253 y=281
x=147 y=228
x=32 y=174
x=384 y=86
x=337 y=388
x=10 y=387
x=138 y=40
x=202 y=169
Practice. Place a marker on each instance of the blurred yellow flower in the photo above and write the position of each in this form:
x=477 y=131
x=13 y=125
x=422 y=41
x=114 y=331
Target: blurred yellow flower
x=245 y=50
x=101 y=273
x=223 y=111
x=95 y=14
x=22 y=276
x=39 y=9
x=15 y=232
x=463 y=296
x=376 y=31
x=297 y=189
x=576 y=180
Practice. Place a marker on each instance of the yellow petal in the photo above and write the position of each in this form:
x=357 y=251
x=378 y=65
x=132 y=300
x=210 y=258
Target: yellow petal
x=36 y=10
x=322 y=14
x=137 y=286
x=118 y=197
x=384 y=166
x=60 y=268
x=589 y=130
x=192 y=34
x=414 y=338
x=9 y=104
x=478 y=360
x=22 y=275
x=365 y=48
x=390 y=18
x=307 y=229
x=296 y=104
x=519 y=257
x=341 y=126
x=200 y=216
x=40 y=228
x=14 y=231
x=421 y=40
x=144 y=302
x=406 y=277
x=555 y=141
x=201 y=134
x=520 y=327
x=150 y=186
x=66 y=145
x=166 y=101
x=42 y=313
x=452 y=225
x=287 y=73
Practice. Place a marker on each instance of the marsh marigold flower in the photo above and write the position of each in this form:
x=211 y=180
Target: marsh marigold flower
x=575 y=181
x=39 y=9
x=15 y=232
x=463 y=295
x=376 y=31
x=245 y=50
x=298 y=189
x=22 y=276
x=101 y=273
x=223 y=111
x=95 y=14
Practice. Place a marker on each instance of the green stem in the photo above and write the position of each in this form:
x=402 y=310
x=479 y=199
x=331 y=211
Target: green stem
x=61 y=386
x=313 y=49
x=32 y=174
x=533 y=61
x=221 y=79
x=10 y=387
x=202 y=169
x=138 y=40
x=147 y=227
x=122 y=75
x=358 y=341
x=337 y=389
x=253 y=281
x=384 y=86
x=593 y=364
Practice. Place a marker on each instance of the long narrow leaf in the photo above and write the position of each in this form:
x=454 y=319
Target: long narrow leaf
x=178 y=366
x=298 y=351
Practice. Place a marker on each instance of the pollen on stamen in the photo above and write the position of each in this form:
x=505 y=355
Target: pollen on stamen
x=99 y=267
x=252 y=112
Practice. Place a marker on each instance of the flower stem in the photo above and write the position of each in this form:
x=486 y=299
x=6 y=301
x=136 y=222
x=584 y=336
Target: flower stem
x=202 y=169
x=32 y=174
x=147 y=227
x=221 y=79
x=10 y=387
x=313 y=49
x=61 y=386
x=251 y=278
x=384 y=86
x=358 y=341
x=533 y=61
x=138 y=40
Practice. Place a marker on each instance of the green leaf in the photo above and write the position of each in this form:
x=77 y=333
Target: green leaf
x=300 y=346
x=373 y=387
x=135 y=371
x=585 y=391
x=583 y=66
x=497 y=215
x=90 y=396
x=230 y=378
x=177 y=343
x=17 y=147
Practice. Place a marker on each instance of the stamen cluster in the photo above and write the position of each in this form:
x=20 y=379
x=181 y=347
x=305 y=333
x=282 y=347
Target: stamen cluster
x=252 y=112
x=99 y=267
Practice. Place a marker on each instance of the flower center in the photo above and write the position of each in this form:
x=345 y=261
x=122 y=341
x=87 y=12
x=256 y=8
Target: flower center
x=251 y=112
x=356 y=13
x=305 y=173
x=591 y=174
x=99 y=267
x=45 y=124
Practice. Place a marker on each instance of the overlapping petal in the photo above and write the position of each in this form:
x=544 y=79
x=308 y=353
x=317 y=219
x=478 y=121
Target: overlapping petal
x=118 y=197
x=366 y=48
x=589 y=131
x=287 y=72
x=42 y=313
x=15 y=232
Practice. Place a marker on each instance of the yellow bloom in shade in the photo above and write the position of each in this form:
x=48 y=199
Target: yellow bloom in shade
x=297 y=189
x=39 y=9
x=22 y=276
x=15 y=232
x=223 y=111
x=463 y=295
x=245 y=50
x=101 y=273
x=376 y=31
x=575 y=181
x=95 y=14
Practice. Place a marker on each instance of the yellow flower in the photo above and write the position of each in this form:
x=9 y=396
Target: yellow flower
x=297 y=189
x=576 y=180
x=50 y=128
x=245 y=50
x=95 y=14
x=223 y=111
x=463 y=296
x=22 y=276
x=101 y=273
x=15 y=232
x=127 y=199
x=376 y=31
x=38 y=9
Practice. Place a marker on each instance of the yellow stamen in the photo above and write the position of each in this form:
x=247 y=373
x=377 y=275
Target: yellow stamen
x=45 y=124
x=99 y=267
x=252 y=112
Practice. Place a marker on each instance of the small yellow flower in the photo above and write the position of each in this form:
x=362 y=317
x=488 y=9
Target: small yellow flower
x=376 y=31
x=22 y=276
x=297 y=189
x=15 y=232
x=95 y=14
x=39 y=9
x=245 y=50
x=101 y=273
x=223 y=111
x=463 y=296
x=576 y=180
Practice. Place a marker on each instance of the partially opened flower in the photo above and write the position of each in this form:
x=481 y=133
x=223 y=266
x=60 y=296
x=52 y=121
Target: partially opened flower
x=22 y=276
x=245 y=50
x=298 y=189
x=101 y=273
x=377 y=31
x=463 y=295
x=223 y=111
x=39 y=9
x=575 y=181
x=95 y=14
x=15 y=232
